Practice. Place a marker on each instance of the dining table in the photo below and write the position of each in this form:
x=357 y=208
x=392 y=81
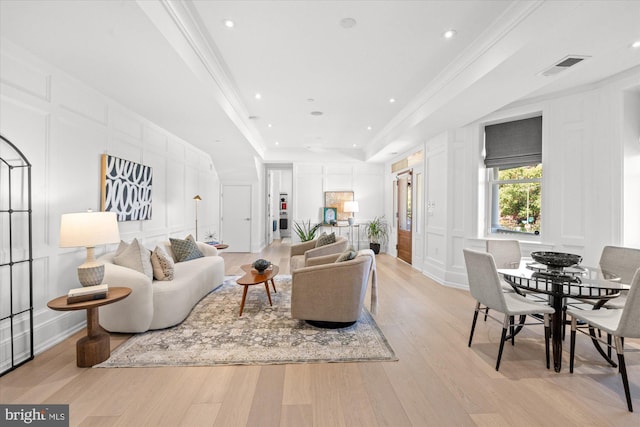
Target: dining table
x=578 y=282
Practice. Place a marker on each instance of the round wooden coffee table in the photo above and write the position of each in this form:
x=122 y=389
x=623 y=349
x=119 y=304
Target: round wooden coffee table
x=95 y=347
x=252 y=277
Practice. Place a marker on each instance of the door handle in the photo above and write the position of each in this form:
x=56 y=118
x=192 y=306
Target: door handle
x=247 y=219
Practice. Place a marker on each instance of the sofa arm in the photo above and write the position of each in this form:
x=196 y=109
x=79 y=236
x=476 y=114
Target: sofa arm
x=301 y=248
x=135 y=312
x=207 y=249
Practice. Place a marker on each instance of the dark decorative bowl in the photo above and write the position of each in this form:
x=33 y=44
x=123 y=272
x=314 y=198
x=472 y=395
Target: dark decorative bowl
x=556 y=260
x=261 y=265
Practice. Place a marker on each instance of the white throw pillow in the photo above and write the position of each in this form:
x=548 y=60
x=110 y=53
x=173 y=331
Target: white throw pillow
x=162 y=263
x=136 y=257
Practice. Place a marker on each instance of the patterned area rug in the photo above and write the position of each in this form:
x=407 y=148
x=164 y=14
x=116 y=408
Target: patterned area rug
x=214 y=334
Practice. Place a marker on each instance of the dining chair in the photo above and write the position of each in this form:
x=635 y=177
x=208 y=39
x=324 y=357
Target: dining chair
x=619 y=323
x=622 y=264
x=617 y=263
x=485 y=286
x=506 y=253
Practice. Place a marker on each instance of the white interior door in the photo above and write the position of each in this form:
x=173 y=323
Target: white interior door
x=236 y=217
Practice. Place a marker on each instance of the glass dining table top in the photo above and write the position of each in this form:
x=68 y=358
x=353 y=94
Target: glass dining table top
x=581 y=281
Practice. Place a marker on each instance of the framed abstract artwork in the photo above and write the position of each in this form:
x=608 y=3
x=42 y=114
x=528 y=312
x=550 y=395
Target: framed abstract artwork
x=336 y=199
x=126 y=188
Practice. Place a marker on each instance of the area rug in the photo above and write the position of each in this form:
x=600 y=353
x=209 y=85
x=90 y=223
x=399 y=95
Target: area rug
x=213 y=334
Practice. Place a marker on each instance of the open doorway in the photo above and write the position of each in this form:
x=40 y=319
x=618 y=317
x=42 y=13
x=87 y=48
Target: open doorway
x=278 y=202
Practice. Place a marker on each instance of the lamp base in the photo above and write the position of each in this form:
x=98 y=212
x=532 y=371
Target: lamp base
x=91 y=276
x=351 y=220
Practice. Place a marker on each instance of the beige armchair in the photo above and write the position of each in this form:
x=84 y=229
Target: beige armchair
x=301 y=252
x=329 y=294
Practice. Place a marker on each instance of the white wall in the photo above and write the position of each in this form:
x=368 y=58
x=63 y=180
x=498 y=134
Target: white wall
x=63 y=127
x=589 y=139
x=311 y=180
x=631 y=137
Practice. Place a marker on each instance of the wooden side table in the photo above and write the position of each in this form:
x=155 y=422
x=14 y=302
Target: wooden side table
x=252 y=277
x=95 y=347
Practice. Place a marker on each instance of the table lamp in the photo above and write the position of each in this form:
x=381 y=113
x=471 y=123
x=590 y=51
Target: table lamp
x=89 y=229
x=351 y=207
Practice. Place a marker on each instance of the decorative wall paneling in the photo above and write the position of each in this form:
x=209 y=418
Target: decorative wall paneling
x=311 y=180
x=63 y=126
x=583 y=157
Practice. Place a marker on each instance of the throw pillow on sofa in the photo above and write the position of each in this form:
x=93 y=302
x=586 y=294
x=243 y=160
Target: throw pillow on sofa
x=185 y=250
x=162 y=263
x=347 y=255
x=325 y=239
x=134 y=256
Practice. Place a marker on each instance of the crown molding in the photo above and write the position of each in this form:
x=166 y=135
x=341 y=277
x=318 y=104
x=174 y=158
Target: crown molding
x=476 y=61
x=179 y=23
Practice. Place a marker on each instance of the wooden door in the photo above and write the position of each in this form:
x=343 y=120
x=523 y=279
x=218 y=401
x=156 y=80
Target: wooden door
x=404 y=216
x=236 y=217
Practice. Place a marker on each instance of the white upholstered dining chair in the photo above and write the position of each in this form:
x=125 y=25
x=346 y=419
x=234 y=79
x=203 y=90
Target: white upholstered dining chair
x=618 y=322
x=506 y=253
x=485 y=286
x=622 y=263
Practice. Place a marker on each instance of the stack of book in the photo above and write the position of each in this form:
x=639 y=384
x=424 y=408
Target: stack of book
x=88 y=293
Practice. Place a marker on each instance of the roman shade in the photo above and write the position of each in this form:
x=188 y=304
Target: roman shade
x=513 y=144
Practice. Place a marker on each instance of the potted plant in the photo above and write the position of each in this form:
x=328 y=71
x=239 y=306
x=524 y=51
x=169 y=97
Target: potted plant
x=377 y=233
x=306 y=231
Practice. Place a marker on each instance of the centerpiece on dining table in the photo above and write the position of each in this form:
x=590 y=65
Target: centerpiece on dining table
x=556 y=262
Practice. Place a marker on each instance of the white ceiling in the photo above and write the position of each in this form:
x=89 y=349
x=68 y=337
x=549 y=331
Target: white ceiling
x=175 y=63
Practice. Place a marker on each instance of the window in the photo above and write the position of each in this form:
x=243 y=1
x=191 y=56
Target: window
x=514 y=164
x=516 y=195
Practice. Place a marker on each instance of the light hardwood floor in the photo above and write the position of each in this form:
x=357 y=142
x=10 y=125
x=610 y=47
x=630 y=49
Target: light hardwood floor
x=438 y=380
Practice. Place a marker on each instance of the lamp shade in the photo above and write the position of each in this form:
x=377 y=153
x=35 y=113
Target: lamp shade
x=88 y=229
x=351 y=206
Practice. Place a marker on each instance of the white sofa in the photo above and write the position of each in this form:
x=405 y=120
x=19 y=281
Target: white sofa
x=159 y=304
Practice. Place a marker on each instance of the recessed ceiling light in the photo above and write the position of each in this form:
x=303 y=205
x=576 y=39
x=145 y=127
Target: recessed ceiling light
x=392 y=100
x=228 y=23
x=635 y=44
x=369 y=128
x=449 y=34
x=258 y=96
x=277 y=143
x=317 y=113
x=269 y=125
x=348 y=23
x=355 y=145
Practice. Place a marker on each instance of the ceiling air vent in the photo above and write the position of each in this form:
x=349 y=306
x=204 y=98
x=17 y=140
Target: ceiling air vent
x=564 y=64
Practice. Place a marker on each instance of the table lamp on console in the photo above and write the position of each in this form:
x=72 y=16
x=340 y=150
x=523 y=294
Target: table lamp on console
x=89 y=229
x=351 y=207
